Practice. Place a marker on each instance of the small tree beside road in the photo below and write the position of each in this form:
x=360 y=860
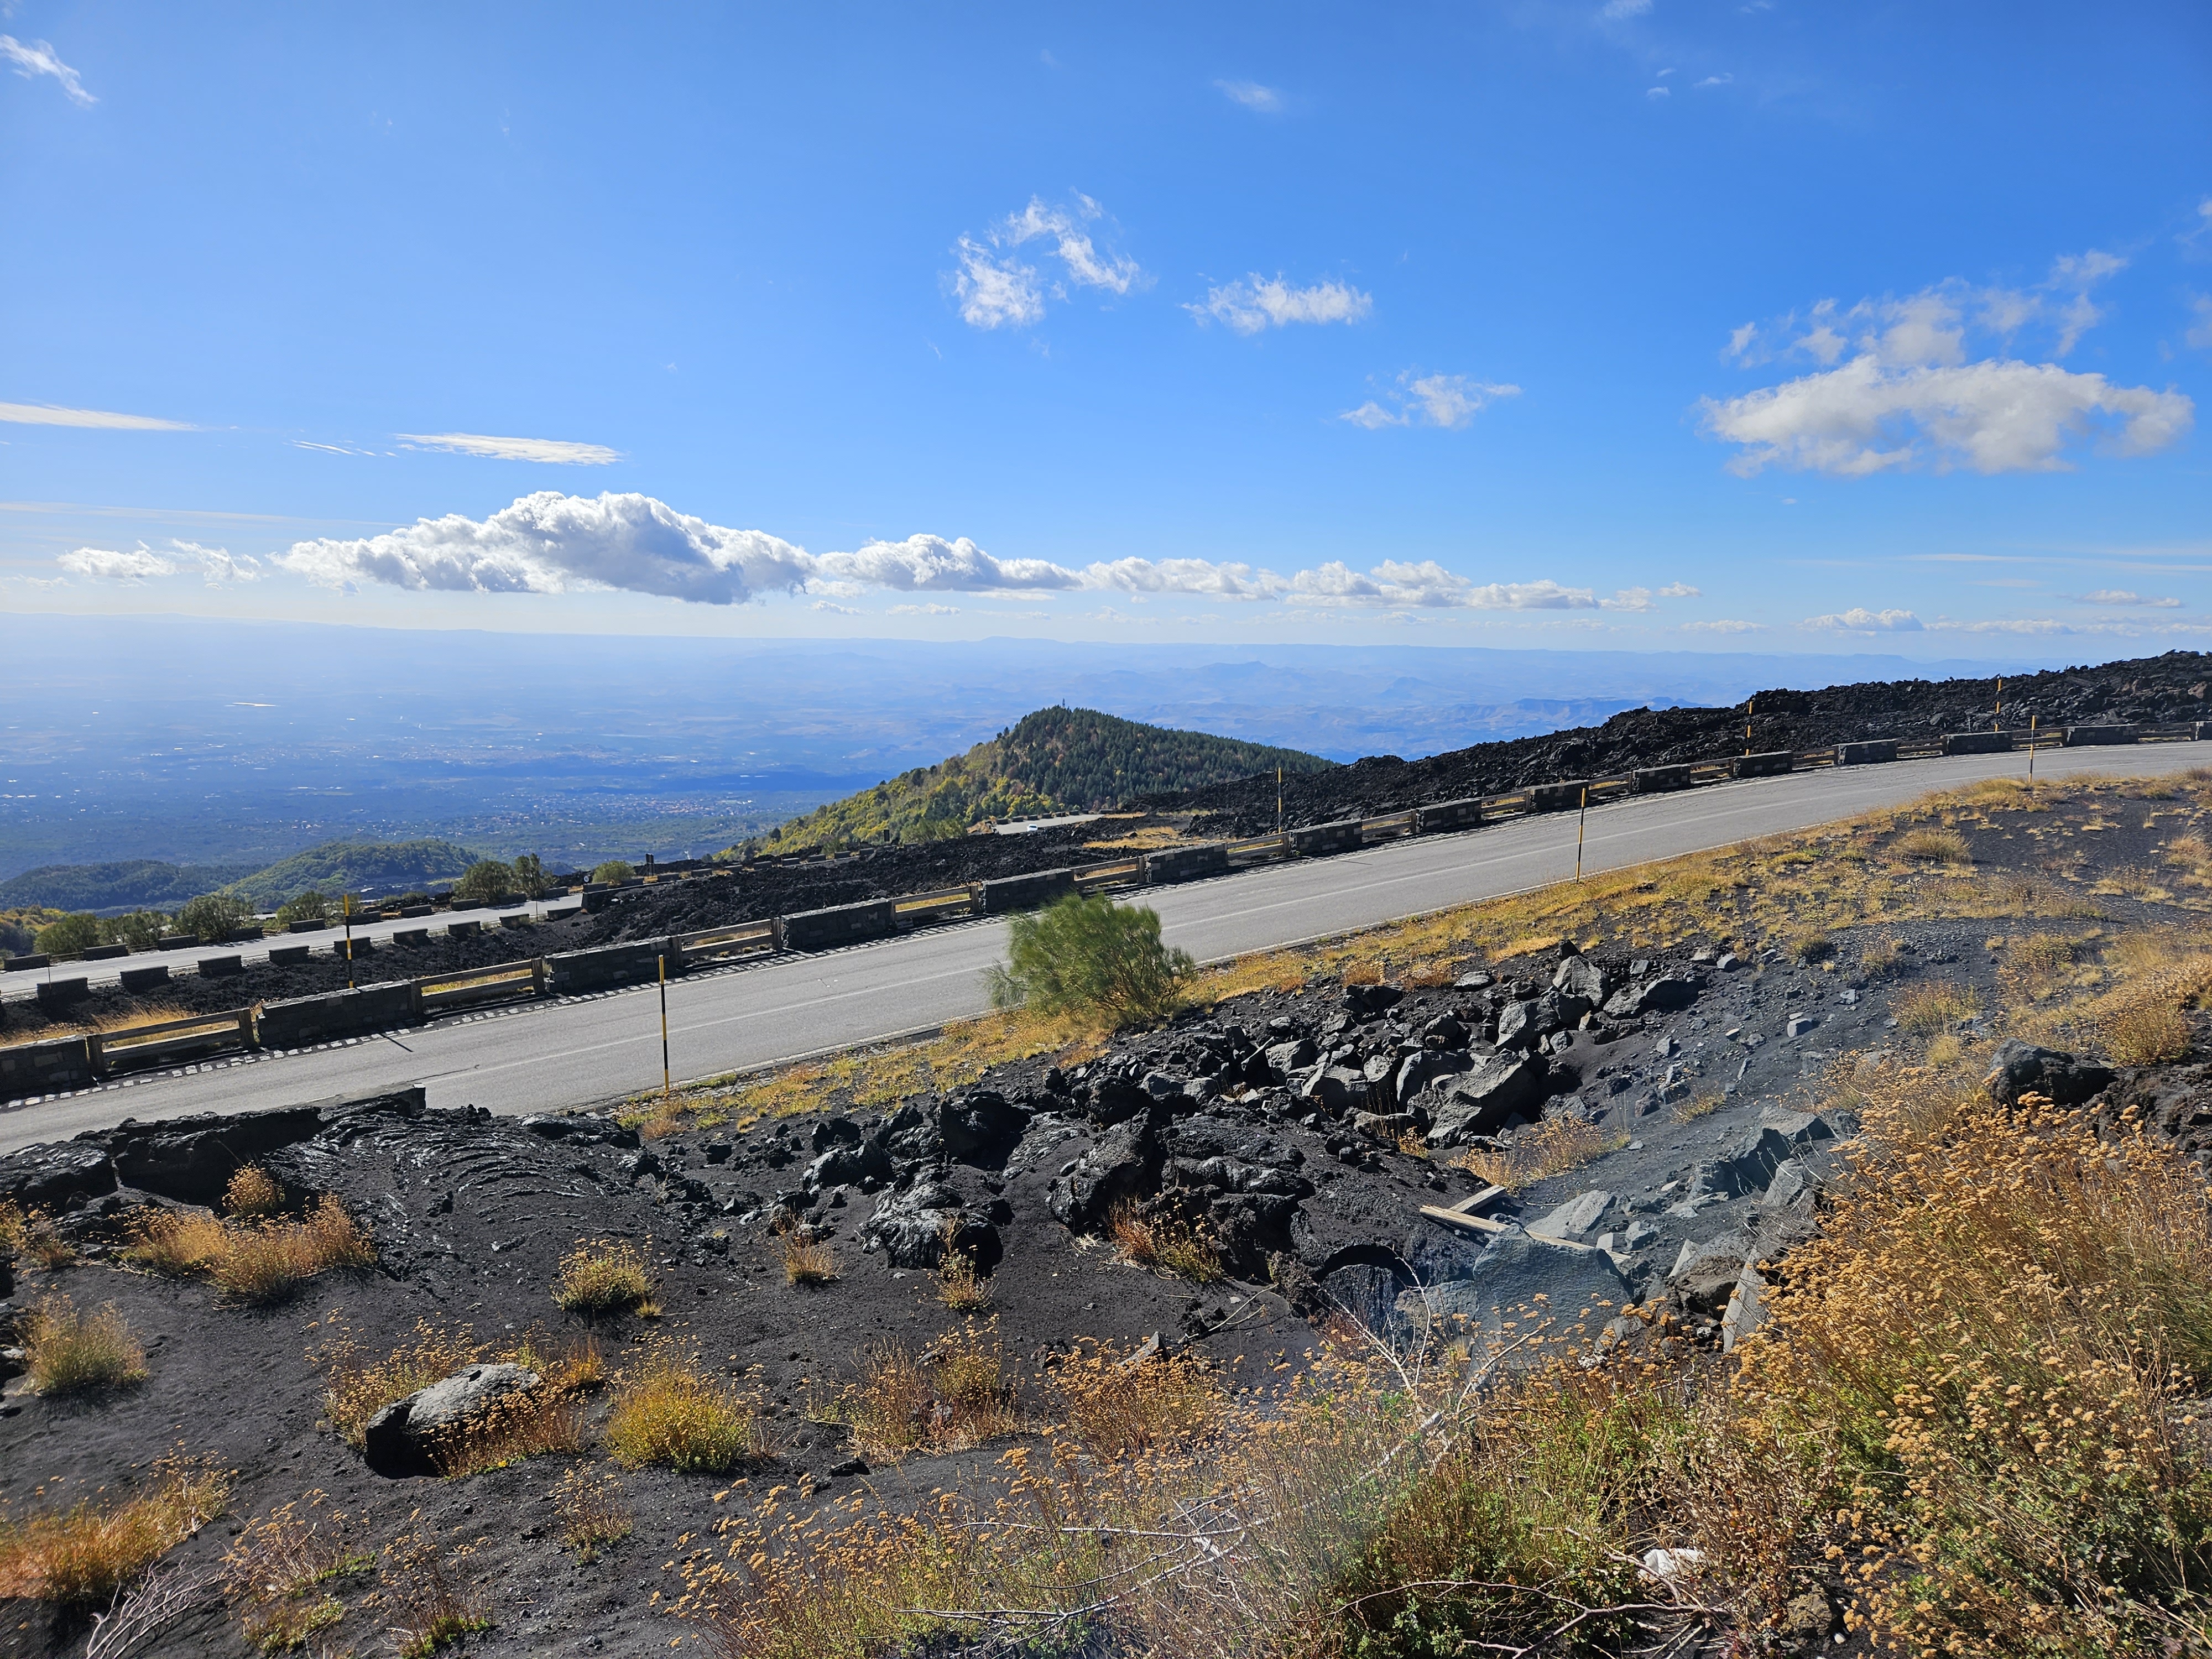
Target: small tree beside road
x=214 y=917
x=310 y=906
x=1090 y=957
x=485 y=881
x=529 y=877
x=612 y=873
x=72 y=936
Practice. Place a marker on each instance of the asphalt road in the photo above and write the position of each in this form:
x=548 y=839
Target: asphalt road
x=544 y=1057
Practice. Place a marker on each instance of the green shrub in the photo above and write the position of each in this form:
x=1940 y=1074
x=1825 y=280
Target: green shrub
x=612 y=871
x=529 y=877
x=214 y=917
x=310 y=906
x=138 y=930
x=1090 y=957
x=72 y=936
x=485 y=881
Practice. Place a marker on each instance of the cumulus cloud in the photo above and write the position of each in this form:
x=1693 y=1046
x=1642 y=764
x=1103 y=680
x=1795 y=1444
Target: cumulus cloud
x=557 y=451
x=52 y=415
x=1445 y=400
x=41 y=59
x=1253 y=304
x=2124 y=596
x=1252 y=95
x=1681 y=591
x=215 y=564
x=1898 y=386
x=549 y=543
x=996 y=290
x=1721 y=625
x=1859 y=619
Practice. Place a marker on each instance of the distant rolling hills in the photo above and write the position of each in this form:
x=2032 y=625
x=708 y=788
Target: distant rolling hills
x=1053 y=761
x=373 y=869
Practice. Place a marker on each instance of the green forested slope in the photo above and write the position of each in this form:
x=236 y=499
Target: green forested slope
x=377 y=868
x=1056 y=760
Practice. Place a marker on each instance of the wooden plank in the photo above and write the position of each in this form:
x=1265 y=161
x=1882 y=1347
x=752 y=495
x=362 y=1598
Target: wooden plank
x=1473 y=1223
x=1481 y=1201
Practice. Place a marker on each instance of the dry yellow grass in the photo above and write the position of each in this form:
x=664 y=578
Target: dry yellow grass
x=67 y=1351
x=1119 y=1405
x=1925 y=1010
x=959 y=1286
x=807 y=1260
x=252 y=1261
x=669 y=1411
x=1934 y=846
x=32 y=1234
x=357 y=1387
x=1168 y=1245
x=1552 y=1147
x=277 y=1574
x=83 y=1557
x=954 y=1397
x=592 y=1512
x=601 y=1277
x=253 y=1194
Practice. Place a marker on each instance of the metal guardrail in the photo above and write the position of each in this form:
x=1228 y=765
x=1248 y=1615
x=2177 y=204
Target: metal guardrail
x=945 y=898
x=1400 y=823
x=454 y=990
x=1101 y=875
x=1274 y=845
x=105 y=1049
x=714 y=942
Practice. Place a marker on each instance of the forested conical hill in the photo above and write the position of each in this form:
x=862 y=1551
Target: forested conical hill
x=1054 y=761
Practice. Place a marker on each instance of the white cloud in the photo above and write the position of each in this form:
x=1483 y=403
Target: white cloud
x=556 y=452
x=1252 y=95
x=1658 y=92
x=50 y=415
x=108 y=565
x=215 y=564
x=1681 y=591
x=1996 y=415
x=1255 y=303
x=1721 y=625
x=2200 y=331
x=995 y=293
x=932 y=609
x=997 y=290
x=1444 y=400
x=1723 y=79
x=1859 y=619
x=837 y=610
x=2123 y=596
x=41 y=59
x=550 y=543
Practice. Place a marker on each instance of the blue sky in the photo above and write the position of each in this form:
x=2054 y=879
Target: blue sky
x=1645 y=325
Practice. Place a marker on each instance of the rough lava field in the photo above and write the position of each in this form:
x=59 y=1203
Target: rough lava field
x=1671 y=1112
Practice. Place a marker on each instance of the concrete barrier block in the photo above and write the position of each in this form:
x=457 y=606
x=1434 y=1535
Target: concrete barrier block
x=519 y=918
x=1320 y=840
x=1770 y=764
x=1977 y=743
x=2097 y=737
x=221 y=967
x=358 y=947
x=145 y=979
x=45 y=1068
x=411 y=911
x=103 y=952
x=1874 y=751
x=310 y=924
x=1039 y=887
x=841 y=924
x=60 y=993
x=564 y=913
x=283 y=956
x=463 y=929
x=178 y=942
x=572 y=971
x=1173 y=864
x=1558 y=797
x=298 y=1021
x=1658 y=779
x=410 y=936
x=24 y=964
x=1439 y=816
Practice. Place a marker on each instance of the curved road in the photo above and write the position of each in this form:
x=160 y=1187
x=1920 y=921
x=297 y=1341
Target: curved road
x=540 y=1057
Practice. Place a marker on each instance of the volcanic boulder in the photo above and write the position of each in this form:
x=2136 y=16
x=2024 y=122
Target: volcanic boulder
x=408 y=1436
x=2019 y=1068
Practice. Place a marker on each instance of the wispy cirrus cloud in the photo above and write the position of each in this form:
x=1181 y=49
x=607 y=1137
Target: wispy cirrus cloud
x=102 y=419
x=549 y=543
x=41 y=59
x=1253 y=304
x=1449 y=401
x=1267 y=101
x=554 y=452
x=2128 y=597
x=996 y=288
x=1721 y=625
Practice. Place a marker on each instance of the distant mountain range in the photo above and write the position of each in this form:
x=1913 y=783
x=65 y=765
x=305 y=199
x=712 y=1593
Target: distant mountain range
x=371 y=869
x=1053 y=761
x=111 y=888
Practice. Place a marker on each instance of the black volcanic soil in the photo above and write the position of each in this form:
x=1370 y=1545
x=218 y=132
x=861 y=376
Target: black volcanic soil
x=470 y=1215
